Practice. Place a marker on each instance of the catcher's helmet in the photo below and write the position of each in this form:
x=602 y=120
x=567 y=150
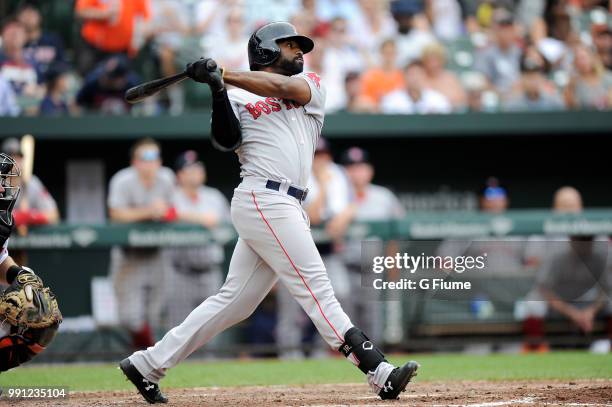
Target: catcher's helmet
x=9 y=187
x=263 y=44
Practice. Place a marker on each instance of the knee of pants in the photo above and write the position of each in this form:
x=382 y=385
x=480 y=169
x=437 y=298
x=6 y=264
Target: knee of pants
x=236 y=310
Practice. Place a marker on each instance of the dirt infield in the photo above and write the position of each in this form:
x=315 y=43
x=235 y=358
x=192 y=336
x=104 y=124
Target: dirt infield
x=474 y=393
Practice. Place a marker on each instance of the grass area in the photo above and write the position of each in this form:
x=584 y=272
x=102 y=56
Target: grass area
x=557 y=365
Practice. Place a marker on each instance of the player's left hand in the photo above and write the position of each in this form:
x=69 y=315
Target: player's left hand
x=26 y=303
x=206 y=70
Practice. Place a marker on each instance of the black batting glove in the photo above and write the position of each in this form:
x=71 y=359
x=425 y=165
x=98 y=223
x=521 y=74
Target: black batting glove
x=206 y=70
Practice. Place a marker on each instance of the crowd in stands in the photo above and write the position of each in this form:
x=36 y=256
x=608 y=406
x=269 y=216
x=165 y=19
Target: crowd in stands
x=375 y=56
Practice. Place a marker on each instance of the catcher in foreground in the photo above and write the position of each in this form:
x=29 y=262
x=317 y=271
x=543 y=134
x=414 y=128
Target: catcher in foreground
x=29 y=315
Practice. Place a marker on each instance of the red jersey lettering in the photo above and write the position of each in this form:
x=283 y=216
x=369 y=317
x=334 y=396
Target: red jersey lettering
x=316 y=79
x=263 y=107
x=272 y=102
x=255 y=112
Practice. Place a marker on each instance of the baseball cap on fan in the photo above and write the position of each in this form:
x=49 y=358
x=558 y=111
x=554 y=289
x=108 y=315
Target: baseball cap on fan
x=187 y=159
x=355 y=155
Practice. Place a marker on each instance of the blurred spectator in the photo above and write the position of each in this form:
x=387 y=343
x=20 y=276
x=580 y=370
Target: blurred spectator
x=35 y=206
x=169 y=26
x=469 y=11
x=385 y=77
x=230 y=49
x=15 y=67
x=477 y=92
x=372 y=25
x=104 y=88
x=493 y=197
x=260 y=12
x=355 y=102
x=340 y=56
x=572 y=282
x=445 y=17
x=530 y=18
x=328 y=187
x=198 y=272
x=139 y=193
x=55 y=102
x=533 y=95
x=328 y=10
x=505 y=255
x=413 y=32
x=602 y=40
x=591 y=85
x=567 y=200
x=42 y=47
x=211 y=16
x=109 y=27
x=306 y=21
x=8 y=101
x=415 y=98
x=329 y=195
x=440 y=79
x=500 y=61
x=370 y=203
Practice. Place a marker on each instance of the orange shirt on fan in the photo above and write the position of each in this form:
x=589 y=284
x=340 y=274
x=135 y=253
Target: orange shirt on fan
x=376 y=83
x=113 y=35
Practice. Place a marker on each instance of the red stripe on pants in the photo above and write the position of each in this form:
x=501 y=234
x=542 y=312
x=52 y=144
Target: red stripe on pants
x=294 y=267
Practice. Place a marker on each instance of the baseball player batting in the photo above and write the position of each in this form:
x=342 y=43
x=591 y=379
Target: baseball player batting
x=272 y=119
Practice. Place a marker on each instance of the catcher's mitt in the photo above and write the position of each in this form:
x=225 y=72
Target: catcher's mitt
x=26 y=303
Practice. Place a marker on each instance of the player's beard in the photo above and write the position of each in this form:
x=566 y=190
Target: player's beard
x=290 y=67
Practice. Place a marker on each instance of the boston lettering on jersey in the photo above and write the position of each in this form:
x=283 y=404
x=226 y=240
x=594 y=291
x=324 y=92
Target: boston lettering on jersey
x=271 y=104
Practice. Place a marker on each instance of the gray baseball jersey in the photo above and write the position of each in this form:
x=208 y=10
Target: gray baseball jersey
x=377 y=204
x=278 y=135
x=127 y=191
x=337 y=192
x=138 y=274
x=208 y=200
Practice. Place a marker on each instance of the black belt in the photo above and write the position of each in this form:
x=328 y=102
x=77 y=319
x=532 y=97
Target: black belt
x=297 y=193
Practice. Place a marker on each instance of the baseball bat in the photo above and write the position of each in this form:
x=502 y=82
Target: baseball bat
x=27 y=167
x=144 y=90
x=27 y=150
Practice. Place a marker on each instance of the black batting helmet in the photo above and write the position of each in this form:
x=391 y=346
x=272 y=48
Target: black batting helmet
x=263 y=44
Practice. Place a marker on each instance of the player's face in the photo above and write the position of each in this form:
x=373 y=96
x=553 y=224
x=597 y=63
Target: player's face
x=192 y=176
x=360 y=174
x=494 y=205
x=291 y=60
x=147 y=161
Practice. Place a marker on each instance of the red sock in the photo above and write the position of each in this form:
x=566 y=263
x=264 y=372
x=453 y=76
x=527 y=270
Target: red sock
x=533 y=328
x=142 y=338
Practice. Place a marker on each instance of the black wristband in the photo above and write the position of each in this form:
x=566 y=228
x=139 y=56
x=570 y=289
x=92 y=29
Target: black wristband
x=12 y=272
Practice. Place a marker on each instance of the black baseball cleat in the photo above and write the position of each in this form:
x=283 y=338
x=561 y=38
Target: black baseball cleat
x=149 y=390
x=398 y=380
